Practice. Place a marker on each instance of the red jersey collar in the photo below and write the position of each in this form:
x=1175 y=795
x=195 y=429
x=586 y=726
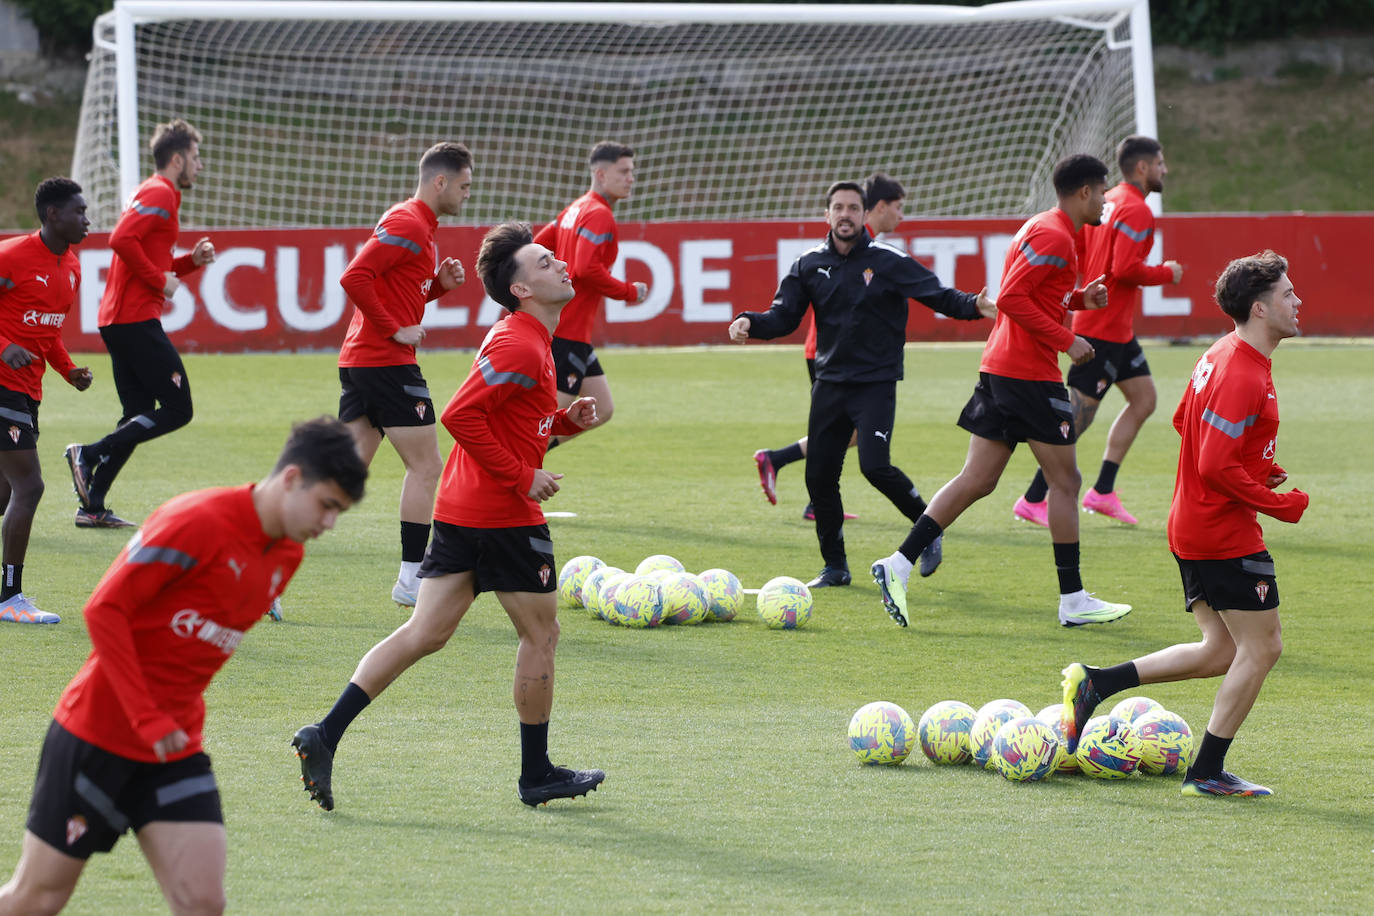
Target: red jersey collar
x=1240 y=344
x=173 y=188
x=246 y=517
x=1139 y=194
x=1064 y=220
x=423 y=209
x=527 y=318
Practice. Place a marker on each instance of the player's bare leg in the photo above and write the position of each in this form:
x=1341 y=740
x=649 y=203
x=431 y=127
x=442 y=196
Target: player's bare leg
x=441 y=604
x=418 y=447
x=1140 y=403
x=188 y=859
x=1259 y=642
x=593 y=386
x=367 y=437
x=535 y=616
x=23 y=482
x=43 y=880
x=1209 y=658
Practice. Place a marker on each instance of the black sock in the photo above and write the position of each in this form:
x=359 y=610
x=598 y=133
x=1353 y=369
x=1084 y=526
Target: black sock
x=920 y=537
x=13 y=582
x=1038 y=489
x=414 y=540
x=1113 y=680
x=1106 y=478
x=534 y=752
x=1211 y=756
x=1066 y=564
x=784 y=456
x=346 y=708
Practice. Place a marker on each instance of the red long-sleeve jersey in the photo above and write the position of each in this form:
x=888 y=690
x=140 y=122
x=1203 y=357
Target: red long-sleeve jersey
x=1229 y=421
x=37 y=289
x=584 y=238
x=167 y=615
x=389 y=282
x=142 y=243
x=1038 y=287
x=1118 y=248
x=501 y=419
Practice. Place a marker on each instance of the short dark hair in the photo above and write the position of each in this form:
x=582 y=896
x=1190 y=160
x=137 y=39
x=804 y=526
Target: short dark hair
x=1133 y=149
x=447 y=158
x=1246 y=279
x=53 y=192
x=846 y=186
x=609 y=151
x=174 y=137
x=496 y=260
x=880 y=187
x=1073 y=172
x=324 y=450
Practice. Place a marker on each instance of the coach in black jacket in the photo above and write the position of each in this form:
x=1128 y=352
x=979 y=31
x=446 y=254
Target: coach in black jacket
x=859 y=291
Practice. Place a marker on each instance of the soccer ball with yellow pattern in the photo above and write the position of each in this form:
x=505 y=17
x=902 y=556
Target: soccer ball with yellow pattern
x=784 y=603
x=943 y=732
x=881 y=734
x=1025 y=749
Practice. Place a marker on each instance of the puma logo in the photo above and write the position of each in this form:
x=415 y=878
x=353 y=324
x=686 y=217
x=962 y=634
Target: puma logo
x=881 y=435
x=824 y=270
x=41 y=279
x=236 y=566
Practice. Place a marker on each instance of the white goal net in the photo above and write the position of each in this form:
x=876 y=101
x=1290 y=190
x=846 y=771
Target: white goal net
x=315 y=114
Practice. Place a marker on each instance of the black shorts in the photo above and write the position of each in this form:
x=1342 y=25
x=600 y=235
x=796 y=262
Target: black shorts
x=811 y=369
x=146 y=368
x=85 y=798
x=386 y=395
x=1112 y=362
x=18 y=422
x=1013 y=410
x=500 y=559
x=1240 y=584
x=573 y=361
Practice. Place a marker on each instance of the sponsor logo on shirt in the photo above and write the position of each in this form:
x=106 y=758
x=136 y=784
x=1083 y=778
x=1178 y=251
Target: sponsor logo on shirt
x=190 y=624
x=1202 y=374
x=33 y=318
x=1269 y=449
x=1067 y=296
x=546 y=425
x=1261 y=589
x=424 y=287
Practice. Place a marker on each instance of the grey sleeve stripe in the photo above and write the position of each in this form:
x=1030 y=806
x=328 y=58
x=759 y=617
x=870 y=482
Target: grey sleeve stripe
x=151 y=211
x=492 y=377
x=1130 y=233
x=539 y=545
x=1038 y=259
x=387 y=239
x=174 y=792
x=592 y=237
x=6 y=282
x=415 y=391
x=1258 y=567
x=1234 y=430
x=18 y=416
x=169 y=555
x=95 y=796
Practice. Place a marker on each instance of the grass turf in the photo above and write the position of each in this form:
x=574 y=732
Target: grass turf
x=730 y=785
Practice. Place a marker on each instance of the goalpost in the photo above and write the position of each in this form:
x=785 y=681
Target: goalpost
x=315 y=113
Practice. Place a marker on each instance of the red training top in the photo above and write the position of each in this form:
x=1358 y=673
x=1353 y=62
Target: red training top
x=501 y=420
x=389 y=281
x=1229 y=421
x=583 y=237
x=142 y=243
x=1038 y=286
x=37 y=289
x=167 y=614
x=1118 y=248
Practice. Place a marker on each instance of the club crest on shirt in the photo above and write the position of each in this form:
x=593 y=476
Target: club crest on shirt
x=544 y=572
x=176 y=379
x=420 y=409
x=868 y=275
x=76 y=828
x=1261 y=589
x=1064 y=429
x=14 y=434
x=1202 y=374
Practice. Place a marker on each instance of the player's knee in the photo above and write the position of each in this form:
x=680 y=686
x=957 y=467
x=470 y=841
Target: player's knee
x=196 y=897
x=1144 y=404
x=1217 y=658
x=41 y=901
x=25 y=494
x=1066 y=480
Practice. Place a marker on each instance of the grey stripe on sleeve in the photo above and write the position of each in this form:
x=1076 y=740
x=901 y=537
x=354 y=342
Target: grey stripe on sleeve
x=1038 y=259
x=1234 y=430
x=401 y=242
x=492 y=377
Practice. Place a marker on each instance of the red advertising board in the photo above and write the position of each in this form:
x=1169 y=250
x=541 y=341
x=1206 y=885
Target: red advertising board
x=278 y=290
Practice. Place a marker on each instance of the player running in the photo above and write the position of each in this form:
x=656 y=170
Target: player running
x=124 y=750
x=384 y=395
x=1229 y=420
x=584 y=237
x=39 y=278
x=1116 y=249
x=489 y=531
x=1020 y=394
x=154 y=390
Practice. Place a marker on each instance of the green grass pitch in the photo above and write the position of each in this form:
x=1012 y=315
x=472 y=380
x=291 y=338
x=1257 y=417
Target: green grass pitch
x=730 y=785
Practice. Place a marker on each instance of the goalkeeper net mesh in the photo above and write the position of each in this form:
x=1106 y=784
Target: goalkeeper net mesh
x=321 y=122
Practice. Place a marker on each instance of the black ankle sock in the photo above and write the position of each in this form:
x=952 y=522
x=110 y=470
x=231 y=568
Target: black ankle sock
x=1038 y=489
x=414 y=540
x=534 y=752
x=920 y=537
x=784 y=456
x=1106 y=478
x=13 y=581
x=346 y=708
x=1066 y=564
x=1211 y=756
x=1113 y=680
